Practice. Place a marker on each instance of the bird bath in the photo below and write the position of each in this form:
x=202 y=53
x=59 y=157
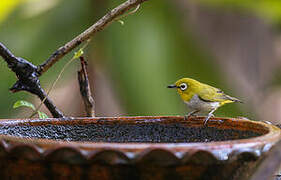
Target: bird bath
x=157 y=147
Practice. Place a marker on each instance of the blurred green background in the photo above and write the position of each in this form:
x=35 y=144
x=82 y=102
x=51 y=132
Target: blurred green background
x=233 y=45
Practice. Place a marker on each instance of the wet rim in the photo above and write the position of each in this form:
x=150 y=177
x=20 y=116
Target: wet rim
x=221 y=150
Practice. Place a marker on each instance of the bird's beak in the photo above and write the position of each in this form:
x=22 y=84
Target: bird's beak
x=172 y=86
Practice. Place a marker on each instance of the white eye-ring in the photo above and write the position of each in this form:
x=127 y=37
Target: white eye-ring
x=183 y=86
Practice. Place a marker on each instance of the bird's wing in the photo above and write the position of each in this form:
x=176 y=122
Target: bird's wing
x=212 y=94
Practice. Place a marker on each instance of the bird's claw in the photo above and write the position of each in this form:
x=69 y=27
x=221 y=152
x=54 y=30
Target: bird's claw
x=192 y=113
x=207 y=119
x=186 y=117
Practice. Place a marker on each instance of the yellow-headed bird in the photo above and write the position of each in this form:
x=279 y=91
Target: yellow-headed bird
x=201 y=97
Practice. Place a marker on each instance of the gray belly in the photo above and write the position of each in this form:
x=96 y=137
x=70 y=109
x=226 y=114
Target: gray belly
x=197 y=104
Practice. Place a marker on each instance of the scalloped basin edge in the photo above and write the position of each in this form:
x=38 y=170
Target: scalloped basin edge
x=161 y=141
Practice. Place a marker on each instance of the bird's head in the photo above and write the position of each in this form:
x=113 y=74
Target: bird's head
x=185 y=85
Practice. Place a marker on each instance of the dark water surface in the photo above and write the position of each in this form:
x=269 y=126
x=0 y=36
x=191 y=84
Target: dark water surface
x=156 y=133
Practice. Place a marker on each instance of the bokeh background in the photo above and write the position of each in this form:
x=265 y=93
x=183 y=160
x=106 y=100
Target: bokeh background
x=234 y=45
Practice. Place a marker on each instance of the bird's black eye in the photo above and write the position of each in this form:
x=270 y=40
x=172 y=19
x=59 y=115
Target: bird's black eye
x=183 y=86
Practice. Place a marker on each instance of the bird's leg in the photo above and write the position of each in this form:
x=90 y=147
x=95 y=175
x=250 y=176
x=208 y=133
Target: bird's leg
x=190 y=114
x=209 y=116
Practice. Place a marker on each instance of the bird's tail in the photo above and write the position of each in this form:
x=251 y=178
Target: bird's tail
x=233 y=99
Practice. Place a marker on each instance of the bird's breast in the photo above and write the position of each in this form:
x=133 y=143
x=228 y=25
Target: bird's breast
x=195 y=103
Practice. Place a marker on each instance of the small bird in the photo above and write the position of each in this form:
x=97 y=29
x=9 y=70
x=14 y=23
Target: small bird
x=201 y=97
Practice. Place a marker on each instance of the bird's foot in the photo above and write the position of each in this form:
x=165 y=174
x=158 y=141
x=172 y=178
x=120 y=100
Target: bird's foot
x=207 y=118
x=192 y=113
x=186 y=117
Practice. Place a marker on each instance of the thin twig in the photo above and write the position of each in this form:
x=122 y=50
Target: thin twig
x=85 y=89
x=58 y=77
x=52 y=87
x=87 y=34
x=49 y=104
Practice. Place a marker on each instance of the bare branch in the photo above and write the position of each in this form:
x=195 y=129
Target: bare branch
x=85 y=89
x=87 y=34
x=28 y=74
x=49 y=104
x=27 y=78
x=7 y=55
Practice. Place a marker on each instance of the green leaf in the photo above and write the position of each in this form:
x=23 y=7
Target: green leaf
x=23 y=103
x=42 y=115
x=78 y=53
